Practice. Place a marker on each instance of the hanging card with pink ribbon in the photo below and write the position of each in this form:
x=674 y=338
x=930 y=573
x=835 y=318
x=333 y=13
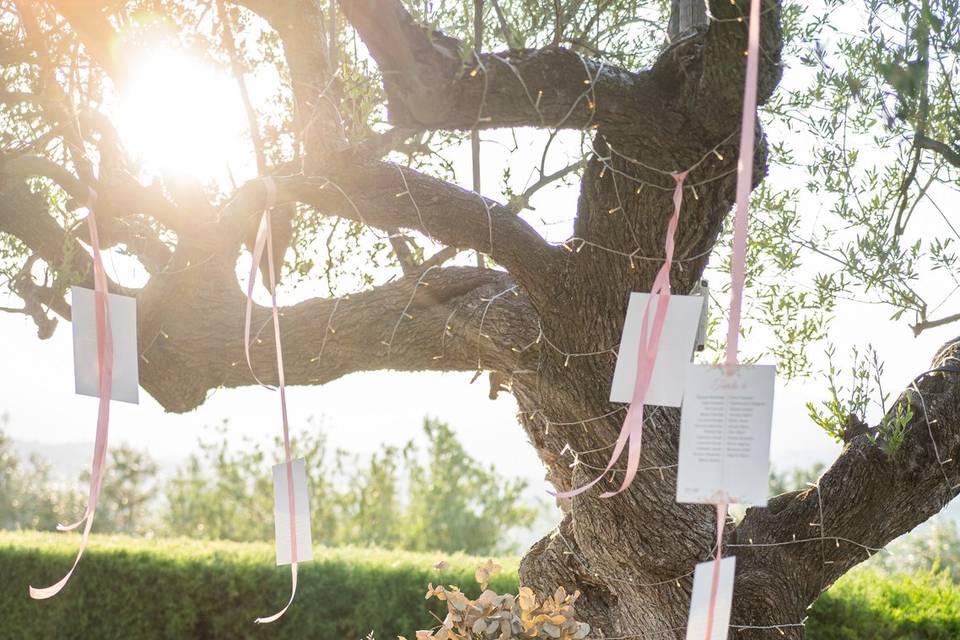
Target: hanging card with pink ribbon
x=724 y=454
x=652 y=323
x=281 y=513
x=715 y=626
x=104 y=351
x=296 y=547
x=721 y=595
x=123 y=322
x=676 y=348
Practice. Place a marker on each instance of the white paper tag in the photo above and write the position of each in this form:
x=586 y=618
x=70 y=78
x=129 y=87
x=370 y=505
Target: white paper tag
x=725 y=435
x=123 y=326
x=673 y=356
x=281 y=512
x=700 y=600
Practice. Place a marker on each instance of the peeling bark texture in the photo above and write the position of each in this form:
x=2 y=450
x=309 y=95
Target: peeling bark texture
x=545 y=323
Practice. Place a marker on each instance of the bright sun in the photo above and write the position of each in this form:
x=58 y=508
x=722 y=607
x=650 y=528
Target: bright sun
x=177 y=115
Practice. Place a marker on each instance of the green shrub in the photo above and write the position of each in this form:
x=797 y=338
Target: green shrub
x=868 y=604
x=180 y=588
x=177 y=588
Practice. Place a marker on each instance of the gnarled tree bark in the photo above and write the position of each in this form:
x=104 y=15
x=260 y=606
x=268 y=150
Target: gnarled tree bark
x=550 y=322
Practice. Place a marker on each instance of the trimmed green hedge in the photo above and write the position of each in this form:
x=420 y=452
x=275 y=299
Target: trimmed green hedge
x=174 y=588
x=177 y=588
x=867 y=604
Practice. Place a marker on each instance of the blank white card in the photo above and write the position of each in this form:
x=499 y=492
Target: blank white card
x=725 y=435
x=700 y=600
x=281 y=512
x=125 y=386
x=676 y=349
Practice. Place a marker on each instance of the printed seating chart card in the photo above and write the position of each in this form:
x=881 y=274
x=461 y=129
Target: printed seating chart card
x=725 y=434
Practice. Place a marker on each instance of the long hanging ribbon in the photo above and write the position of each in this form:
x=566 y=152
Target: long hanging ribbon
x=739 y=255
x=105 y=369
x=631 y=433
x=265 y=239
x=715 y=581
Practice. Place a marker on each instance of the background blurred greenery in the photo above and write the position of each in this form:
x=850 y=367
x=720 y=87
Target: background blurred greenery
x=182 y=588
x=430 y=497
x=197 y=555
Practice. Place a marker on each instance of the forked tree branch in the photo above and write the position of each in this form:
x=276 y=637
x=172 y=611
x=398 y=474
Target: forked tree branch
x=306 y=48
x=429 y=87
x=949 y=154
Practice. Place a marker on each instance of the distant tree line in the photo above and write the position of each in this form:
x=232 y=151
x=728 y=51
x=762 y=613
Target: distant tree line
x=434 y=496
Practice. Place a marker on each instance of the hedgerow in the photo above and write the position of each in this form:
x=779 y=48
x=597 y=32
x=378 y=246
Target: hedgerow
x=869 y=604
x=178 y=588
x=198 y=589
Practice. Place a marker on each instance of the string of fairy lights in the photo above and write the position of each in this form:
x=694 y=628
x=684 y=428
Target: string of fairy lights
x=576 y=244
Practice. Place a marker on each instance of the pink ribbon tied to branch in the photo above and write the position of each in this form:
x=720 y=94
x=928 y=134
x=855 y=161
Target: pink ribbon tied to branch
x=631 y=433
x=263 y=240
x=739 y=254
x=105 y=371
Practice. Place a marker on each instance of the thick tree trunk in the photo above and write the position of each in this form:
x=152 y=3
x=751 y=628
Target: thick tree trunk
x=631 y=555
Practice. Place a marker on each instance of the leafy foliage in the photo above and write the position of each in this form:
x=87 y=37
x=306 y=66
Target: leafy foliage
x=936 y=549
x=28 y=497
x=843 y=414
x=794 y=479
x=856 y=208
x=446 y=501
x=449 y=502
x=864 y=604
x=213 y=588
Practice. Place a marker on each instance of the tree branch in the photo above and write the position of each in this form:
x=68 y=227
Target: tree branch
x=441 y=319
x=387 y=196
x=23 y=214
x=319 y=126
x=923 y=325
x=429 y=87
x=38 y=300
x=878 y=489
x=949 y=154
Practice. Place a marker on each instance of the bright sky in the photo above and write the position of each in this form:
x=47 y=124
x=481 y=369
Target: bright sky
x=363 y=412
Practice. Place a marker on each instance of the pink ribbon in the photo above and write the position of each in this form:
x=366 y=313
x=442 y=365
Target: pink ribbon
x=631 y=433
x=715 y=582
x=744 y=184
x=739 y=256
x=265 y=239
x=105 y=371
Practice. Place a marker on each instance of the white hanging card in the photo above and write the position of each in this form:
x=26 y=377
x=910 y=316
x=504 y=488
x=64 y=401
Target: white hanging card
x=125 y=386
x=725 y=435
x=281 y=512
x=700 y=600
x=675 y=352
